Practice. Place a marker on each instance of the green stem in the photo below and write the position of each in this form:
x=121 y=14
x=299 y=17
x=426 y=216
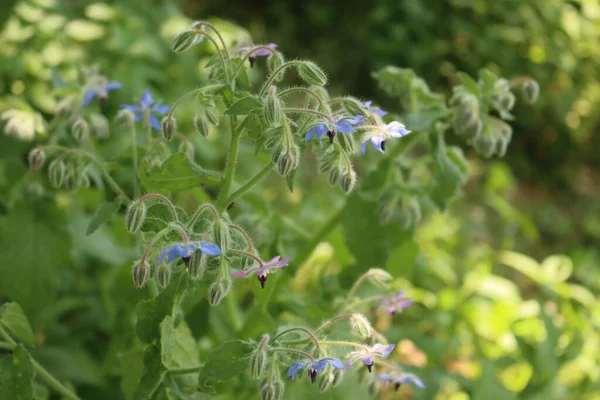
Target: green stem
x=199 y=211
x=303 y=90
x=298 y=328
x=357 y=284
x=6 y=346
x=229 y=168
x=273 y=75
x=111 y=182
x=285 y=349
x=234 y=313
x=185 y=370
x=250 y=184
x=332 y=320
x=216 y=31
x=219 y=52
x=237 y=70
x=41 y=371
x=136 y=187
x=307 y=111
x=342 y=343
x=164 y=200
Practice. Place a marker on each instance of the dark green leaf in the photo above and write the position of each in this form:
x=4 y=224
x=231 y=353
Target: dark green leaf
x=13 y=318
x=244 y=106
x=132 y=368
x=103 y=214
x=16 y=375
x=175 y=174
x=154 y=371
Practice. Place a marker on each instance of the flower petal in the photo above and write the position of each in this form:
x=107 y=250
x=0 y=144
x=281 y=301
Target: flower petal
x=283 y=262
x=239 y=274
x=379 y=112
x=161 y=108
x=363 y=146
x=336 y=363
x=368 y=103
x=210 y=249
x=113 y=86
x=387 y=350
x=344 y=126
x=318 y=366
x=154 y=122
x=89 y=96
x=367 y=360
x=162 y=256
x=413 y=379
x=131 y=107
x=146 y=99
x=376 y=142
x=294 y=369
x=317 y=130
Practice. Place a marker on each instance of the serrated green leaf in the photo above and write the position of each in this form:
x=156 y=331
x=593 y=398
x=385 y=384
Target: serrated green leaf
x=103 y=214
x=16 y=375
x=13 y=318
x=175 y=174
x=245 y=106
x=154 y=371
x=227 y=361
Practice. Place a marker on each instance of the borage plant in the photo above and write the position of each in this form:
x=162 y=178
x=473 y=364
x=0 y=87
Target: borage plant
x=186 y=251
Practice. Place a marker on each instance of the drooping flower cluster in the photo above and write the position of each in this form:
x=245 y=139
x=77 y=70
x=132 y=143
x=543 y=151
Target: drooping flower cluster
x=314 y=367
x=187 y=250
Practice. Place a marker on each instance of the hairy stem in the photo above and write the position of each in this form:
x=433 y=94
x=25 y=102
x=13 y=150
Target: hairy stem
x=230 y=167
x=250 y=184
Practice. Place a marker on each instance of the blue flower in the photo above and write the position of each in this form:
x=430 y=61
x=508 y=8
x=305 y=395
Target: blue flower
x=314 y=367
x=261 y=53
x=101 y=92
x=378 y=135
x=343 y=125
x=186 y=251
x=394 y=303
x=400 y=380
x=263 y=271
x=366 y=355
x=374 y=110
x=147 y=105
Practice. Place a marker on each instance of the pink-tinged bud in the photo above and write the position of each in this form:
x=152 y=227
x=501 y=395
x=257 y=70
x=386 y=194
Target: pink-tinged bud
x=36 y=158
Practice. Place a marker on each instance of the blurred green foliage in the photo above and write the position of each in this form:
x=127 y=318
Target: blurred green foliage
x=489 y=323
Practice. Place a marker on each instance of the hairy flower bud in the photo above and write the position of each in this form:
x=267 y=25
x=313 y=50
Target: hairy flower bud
x=219 y=288
x=57 y=171
x=201 y=125
x=187 y=147
x=220 y=234
x=348 y=181
x=379 y=277
x=168 y=127
x=285 y=163
x=334 y=176
x=135 y=216
x=258 y=359
x=275 y=61
x=211 y=116
x=197 y=265
x=361 y=326
x=312 y=73
x=71 y=178
x=36 y=158
x=163 y=274
x=346 y=142
x=184 y=41
x=272 y=388
x=141 y=273
x=338 y=375
x=80 y=129
x=354 y=107
x=530 y=90
x=83 y=179
x=325 y=379
x=272 y=108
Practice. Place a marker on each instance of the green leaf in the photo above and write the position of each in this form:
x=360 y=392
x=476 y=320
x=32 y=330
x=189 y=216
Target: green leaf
x=227 y=361
x=16 y=375
x=132 y=368
x=13 y=318
x=245 y=106
x=154 y=371
x=33 y=243
x=103 y=214
x=469 y=83
x=289 y=179
x=178 y=349
x=175 y=174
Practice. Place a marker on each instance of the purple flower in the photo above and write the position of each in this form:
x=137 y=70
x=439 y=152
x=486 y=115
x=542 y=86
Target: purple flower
x=374 y=110
x=400 y=380
x=343 y=125
x=101 y=92
x=378 y=135
x=367 y=354
x=261 y=52
x=395 y=303
x=147 y=106
x=264 y=270
x=314 y=367
x=186 y=251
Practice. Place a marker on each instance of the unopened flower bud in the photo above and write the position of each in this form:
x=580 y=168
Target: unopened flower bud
x=57 y=171
x=80 y=129
x=272 y=388
x=379 y=277
x=36 y=158
x=163 y=274
x=325 y=380
x=361 y=326
x=348 y=181
x=125 y=115
x=312 y=73
x=197 y=265
x=201 y=125
x=168 y=127
x=71 y=178
x=530 y=90
x=220 y=233
x=334 y=176
x=184 y=41
x=135 y=216
x=354 y=107
x=275 y=61
x=212 y=116
x=338 y=375
x=187 y=147
x=285 y=163
x=272 y=108
x=258 y=360
x=141 y=273
x=346 y=142
x=219 y=289
x=83 y=179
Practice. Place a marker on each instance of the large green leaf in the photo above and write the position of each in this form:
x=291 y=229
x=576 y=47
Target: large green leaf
x=178 y=349
x=227 y=361
x=12 y=318
x=175 y=174
x=132 y=368
x=16 y=375
x=244 y=106
x=33 y=248
x=154 y=371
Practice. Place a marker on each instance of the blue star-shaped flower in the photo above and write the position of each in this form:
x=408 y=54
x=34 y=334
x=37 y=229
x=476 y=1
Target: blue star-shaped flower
x=400 y=380
x=186 y=251
x=147 y=105
x=343 y=125
x=101 y=92
x=314 y=367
